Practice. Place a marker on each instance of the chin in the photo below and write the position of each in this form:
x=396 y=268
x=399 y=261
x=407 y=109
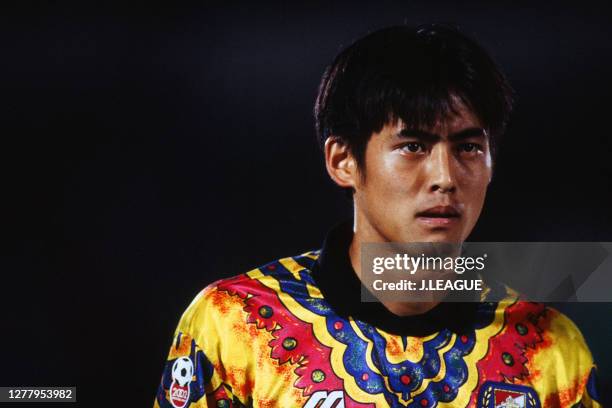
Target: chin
x=442 y=236
x=420 y=234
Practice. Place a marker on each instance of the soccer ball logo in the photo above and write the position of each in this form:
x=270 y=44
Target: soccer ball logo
x=182 y=371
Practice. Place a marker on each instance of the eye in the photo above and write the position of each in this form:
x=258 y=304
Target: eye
x=470 y=148
x=413 y=147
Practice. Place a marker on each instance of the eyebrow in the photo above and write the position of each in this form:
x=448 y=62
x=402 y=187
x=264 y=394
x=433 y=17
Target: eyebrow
x=432 y=137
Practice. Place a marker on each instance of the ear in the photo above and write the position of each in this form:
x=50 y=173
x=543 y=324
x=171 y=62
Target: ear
x=340 y=163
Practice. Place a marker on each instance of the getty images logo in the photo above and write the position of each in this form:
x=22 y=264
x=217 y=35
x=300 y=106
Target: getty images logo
x=329 y=400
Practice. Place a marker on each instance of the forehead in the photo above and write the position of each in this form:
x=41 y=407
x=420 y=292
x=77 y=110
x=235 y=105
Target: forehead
x=458 y=117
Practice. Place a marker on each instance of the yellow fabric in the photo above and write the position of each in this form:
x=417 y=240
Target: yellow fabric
x=239 y=350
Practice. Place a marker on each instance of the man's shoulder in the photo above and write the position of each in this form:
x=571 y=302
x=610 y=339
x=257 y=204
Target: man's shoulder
x=549 y=323
x=222 y=297
x=558 y=359
x=565 y=341
x=561 y=327
x=549 y=340
x=291 y=268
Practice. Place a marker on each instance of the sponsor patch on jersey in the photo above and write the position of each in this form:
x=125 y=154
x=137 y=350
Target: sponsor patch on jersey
x=503 y=395
x=322 y=399
x=182 y=373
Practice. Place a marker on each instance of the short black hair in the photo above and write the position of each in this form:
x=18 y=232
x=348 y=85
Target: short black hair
x=414 y=74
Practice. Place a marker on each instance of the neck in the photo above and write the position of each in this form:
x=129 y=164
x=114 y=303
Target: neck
x=365 y=232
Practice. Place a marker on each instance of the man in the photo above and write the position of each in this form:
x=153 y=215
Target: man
x=409 y=121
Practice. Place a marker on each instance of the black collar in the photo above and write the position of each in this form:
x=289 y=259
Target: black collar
x=341 y=288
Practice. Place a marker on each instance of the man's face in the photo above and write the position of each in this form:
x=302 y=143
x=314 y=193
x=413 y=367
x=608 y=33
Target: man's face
x=424 y=185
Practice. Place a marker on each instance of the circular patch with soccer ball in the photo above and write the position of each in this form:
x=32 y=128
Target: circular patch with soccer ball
x=182 y=372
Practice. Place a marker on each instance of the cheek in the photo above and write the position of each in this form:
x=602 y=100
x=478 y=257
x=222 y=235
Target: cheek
x=387 y=185
x=475 y=190
x=475 y=176
x=396 y=176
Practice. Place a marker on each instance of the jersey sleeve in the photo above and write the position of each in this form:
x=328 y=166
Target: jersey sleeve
x=590 y=396
x=190 y=378
x=585 y=367
x=563 y=367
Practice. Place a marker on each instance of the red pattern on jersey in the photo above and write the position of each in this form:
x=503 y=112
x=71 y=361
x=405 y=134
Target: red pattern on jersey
x=506 y=358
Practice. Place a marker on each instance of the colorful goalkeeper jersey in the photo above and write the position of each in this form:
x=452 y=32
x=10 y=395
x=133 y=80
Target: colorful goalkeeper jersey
x=294 y=333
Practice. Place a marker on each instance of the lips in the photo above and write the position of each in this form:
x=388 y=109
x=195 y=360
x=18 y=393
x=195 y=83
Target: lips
x=440 y=211
x=439 y=216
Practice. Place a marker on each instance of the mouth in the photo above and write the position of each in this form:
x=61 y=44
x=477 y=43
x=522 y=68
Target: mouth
x=439 y=216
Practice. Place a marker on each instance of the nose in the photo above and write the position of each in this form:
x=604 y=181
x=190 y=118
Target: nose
x=440 y=169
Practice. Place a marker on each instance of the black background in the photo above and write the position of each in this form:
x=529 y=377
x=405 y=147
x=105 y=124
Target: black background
x=148 y=151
